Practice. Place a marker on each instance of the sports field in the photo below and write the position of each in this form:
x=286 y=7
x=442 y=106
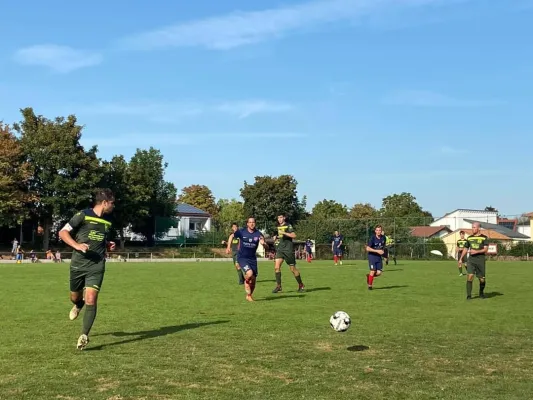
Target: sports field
x=184 y=330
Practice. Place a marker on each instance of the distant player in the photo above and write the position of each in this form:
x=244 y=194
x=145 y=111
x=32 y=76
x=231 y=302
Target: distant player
x=478 y=245
x=285 y=252
x=249 y=238
x=336 y=247
x=309 y=250
x=86 y=233
x=375 y=248
x=389 y=247
x=233 y=246
x=460 y=247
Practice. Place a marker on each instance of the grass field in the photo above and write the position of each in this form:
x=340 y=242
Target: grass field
x=184 y=330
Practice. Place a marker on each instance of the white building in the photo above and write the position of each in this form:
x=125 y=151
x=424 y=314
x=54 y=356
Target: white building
x=524 y=228
x=457 y=219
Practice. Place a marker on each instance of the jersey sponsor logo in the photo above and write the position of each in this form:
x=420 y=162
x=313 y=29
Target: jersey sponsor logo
x=96 y=236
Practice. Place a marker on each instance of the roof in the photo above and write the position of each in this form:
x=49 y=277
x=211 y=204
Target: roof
x=469 y=210
x=491 y=234
x=427 y=231
x=500 y=229
x=188 y=210
x=530 y=215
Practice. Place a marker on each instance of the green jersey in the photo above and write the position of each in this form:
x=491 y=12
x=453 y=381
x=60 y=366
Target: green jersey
x=235 y=245
x=389 y=241
x=87 y=227
x=285 y=242
x=477 y=242
x=461 y=243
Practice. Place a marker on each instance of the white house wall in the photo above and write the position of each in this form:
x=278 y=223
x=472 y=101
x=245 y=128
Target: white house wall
x=456 y=220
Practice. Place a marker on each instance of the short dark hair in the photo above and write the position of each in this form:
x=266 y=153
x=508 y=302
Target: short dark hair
x=234 y=224
x=101 y=195
x=378 y=226
x=462 y=232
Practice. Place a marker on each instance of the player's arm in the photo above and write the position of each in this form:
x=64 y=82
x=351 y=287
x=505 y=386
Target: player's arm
x=341 y=242
x=465 y=250
x=228 y=246
x=289 y=232
x=64 y=234
x=263 y=242
x=371 y=250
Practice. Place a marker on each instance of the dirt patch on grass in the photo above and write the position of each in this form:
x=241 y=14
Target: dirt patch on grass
x=105 y=384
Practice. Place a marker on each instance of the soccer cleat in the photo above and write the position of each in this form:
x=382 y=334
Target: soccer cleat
x=277 y=289
x=249 y=297
x=461 y=274
x=482 y=296
x=469 y=297
x=301 y=289
x=370 y=288
x=340 y=262
x=83 y=341
x=74 y=312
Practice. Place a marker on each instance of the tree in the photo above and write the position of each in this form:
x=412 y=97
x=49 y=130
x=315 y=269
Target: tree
x=15 y=174
x=404 y=207
x=269 y=196
x=64 y=173
x=153 y=197
x=363 y=211
x=229 y=211
x=199 y=196
x=329 y=209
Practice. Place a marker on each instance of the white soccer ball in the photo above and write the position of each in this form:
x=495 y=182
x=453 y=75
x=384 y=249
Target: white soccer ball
x=340 y=321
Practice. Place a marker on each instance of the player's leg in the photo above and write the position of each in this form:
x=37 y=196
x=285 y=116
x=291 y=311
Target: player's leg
x=93 y=284
x=339 y=256
x=77 y=283
x=278 y=261
x=470 y=269
x=238 y=269
x=386 y=256
x=460 y=265
x=480 y=273
x=291 y=262
x=335 y=258
x=370 y=275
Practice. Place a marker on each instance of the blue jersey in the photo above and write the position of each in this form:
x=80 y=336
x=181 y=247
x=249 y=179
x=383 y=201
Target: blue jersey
x=337 y=241
x=376 y=244
x=308 y=246
x=249 y=241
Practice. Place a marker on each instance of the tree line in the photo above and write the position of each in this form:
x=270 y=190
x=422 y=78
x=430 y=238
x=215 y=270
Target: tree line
x=46 y=175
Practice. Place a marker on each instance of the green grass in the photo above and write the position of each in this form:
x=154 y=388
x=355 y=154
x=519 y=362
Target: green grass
x=184 y=330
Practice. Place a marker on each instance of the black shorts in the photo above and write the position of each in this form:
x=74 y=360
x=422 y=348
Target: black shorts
x=87 y=278
x=476 y=266
x=287 y=256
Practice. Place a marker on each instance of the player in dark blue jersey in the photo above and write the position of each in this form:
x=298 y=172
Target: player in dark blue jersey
x=249 y=238
x=375 y=248
x=309 y=250
x=336 y=247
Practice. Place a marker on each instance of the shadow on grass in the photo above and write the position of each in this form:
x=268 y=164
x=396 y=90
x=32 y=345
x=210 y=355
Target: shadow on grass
x=284 y=296
x=393 y=270
x=266 y=280
x=358 y=347
x=142 y=335
x=390 y=287
x=316 y=289
x=493 y=294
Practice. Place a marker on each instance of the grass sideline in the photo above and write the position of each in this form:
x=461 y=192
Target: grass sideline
x=184 y=331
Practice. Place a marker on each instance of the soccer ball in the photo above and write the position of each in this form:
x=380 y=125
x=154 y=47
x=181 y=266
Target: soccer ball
x=340 y=321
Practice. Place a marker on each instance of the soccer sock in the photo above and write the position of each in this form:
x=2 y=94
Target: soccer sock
x=278 y=279
x=298 y=279
x=241 y=276
x=252 y=286
x=469 y=288
x=481 y=287
x=88 y=318
x=335 y=259
x=370 y=280
x=79 y=304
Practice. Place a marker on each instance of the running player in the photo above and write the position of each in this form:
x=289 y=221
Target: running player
x=375 y=248
x=285 y=252
x=336 y=247
x=86 y=233
x=460 y=247
x=309 y=250
x=249 y=238
x=233 y=246
x=478 y=245
x=389 y=247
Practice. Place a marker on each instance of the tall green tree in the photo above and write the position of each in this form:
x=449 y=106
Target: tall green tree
x=154 y=197
x=229 y=211
x=199 y=196
x=64 y=172
x=269 y=196
x=329 y=209
x=363 y=211
x=15 y=174
x=401 y=211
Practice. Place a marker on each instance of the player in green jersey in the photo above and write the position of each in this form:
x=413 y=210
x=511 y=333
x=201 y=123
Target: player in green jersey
x=86 y=233
x=233 y=246
x=285 y=252
x=460 y=247
x=477 y=245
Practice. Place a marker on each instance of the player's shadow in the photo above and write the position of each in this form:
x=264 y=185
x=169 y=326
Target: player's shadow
x=143 y=335
x=390 y=287
x=284 y=296
x=493 y=294
x=358 y=347
x=317 y=289
x=394 y=270
x=266 y=280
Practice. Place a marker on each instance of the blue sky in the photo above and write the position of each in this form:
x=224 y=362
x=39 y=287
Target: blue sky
x=357 y=99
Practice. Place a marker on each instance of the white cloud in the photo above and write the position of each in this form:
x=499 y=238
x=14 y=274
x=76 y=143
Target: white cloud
x=181 y=139
x=60 y=59
x=169 y=112
x=424 y=98
x=242 y=28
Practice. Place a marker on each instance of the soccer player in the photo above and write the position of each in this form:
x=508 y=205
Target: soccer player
x=249 y=238
x=86 y=233
x=285 y=252
x=336 y=247
x=460 y=247
x=478 y=245
x=375 y=248
x=389 y=244
x=309 y=250
x=233 y=245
